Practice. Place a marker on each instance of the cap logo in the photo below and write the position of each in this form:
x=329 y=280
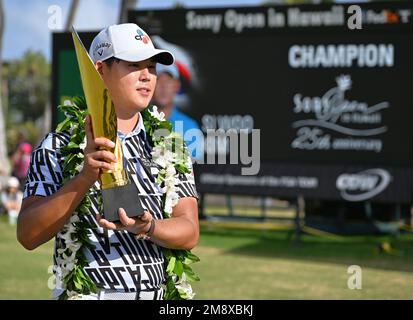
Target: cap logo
x=101 y=46
x=141 y=36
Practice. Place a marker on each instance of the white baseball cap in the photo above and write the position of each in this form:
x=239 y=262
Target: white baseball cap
x=12 y=182
x=171 y=69
x=127 y=42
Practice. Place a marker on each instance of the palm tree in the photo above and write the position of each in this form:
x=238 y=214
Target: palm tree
x=4 y=162
x=72 y=13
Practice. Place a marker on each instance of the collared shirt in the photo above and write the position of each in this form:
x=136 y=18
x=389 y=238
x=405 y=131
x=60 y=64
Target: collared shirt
x=137 y=130
x=119 y=261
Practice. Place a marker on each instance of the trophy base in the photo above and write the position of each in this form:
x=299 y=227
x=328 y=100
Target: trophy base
x=126 y=197
x=113 y=179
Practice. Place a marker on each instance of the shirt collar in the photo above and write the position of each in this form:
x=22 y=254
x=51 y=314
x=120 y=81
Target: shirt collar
x=138 y=128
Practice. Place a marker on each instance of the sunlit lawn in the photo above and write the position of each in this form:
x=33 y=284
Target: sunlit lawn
x=253 y=264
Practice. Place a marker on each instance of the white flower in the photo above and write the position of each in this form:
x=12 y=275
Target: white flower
x=158 y=115
x=69 y=228
x=162 y=156
x=171 y=182
x=73 y=295
x=69 y=258
x=79 y=167
x=156 y=152
x=82 y=146
x=67 y=237
x=68 y=266
x=66 y=263
x=58 y=274
x=173 y=197
x=170 y=171
x=183 y=285
x=74 y=218
x=57 y=269
x=74 y=246
x=160 y=162
x=168 y=208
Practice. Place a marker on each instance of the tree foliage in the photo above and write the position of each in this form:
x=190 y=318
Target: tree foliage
x=28 y=82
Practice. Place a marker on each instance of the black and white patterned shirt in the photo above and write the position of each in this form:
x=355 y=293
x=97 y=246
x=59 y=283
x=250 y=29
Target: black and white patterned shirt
x=119 y=261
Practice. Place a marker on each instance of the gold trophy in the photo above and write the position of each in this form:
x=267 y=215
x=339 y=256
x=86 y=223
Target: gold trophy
x=117 y=189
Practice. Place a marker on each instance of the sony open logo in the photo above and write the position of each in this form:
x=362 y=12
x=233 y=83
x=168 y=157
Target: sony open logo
x=363 y=185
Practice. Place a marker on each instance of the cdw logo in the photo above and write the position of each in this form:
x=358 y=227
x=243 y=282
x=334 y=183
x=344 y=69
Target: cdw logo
x=363 y=185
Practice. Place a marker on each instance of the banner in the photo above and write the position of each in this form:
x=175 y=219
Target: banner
x=331 y=106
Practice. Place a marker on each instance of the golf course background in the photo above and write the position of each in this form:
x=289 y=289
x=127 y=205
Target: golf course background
x=239 y=263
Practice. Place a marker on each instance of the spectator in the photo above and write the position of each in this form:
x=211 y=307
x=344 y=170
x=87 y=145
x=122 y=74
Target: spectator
x=167 y=87
x=11 y=199
x=21 y=162
x=4 y=177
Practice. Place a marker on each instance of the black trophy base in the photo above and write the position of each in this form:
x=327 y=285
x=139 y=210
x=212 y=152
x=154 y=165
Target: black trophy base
x=125 y=197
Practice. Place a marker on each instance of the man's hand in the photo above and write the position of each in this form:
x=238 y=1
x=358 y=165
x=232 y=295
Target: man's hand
x=95 y=159
x=134 y=225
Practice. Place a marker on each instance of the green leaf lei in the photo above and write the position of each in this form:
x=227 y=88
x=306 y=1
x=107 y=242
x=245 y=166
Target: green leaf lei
x=71 y=259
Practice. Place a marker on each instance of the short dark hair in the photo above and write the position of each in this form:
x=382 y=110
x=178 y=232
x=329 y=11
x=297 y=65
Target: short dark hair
x=110 y=61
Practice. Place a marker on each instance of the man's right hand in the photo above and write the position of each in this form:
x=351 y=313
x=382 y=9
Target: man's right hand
x=95 y=159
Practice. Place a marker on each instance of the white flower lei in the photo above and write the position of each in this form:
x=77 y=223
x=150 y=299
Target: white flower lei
x=167 y=160
x=70 y=260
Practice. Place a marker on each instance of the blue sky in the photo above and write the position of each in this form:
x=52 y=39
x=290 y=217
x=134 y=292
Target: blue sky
x=27 y=22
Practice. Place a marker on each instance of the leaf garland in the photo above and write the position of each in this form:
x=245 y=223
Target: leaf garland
x=76 y=282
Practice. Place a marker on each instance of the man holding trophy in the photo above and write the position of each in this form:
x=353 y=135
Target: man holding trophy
x=126 y=260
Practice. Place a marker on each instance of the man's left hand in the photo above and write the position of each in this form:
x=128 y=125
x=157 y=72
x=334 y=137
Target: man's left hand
x=134 y=225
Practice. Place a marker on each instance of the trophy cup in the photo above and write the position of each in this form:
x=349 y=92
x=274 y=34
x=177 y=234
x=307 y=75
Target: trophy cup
x=118 y=191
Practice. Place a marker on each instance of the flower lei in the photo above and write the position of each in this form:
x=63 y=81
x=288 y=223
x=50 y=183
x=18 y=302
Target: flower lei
x=169 y=153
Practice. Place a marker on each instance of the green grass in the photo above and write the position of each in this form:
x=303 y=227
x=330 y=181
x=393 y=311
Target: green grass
x=23 y=274
x=238 y=264
x=249 y=264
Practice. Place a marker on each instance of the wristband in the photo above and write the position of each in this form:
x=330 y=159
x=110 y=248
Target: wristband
x=147 y=234
x=151 y=228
